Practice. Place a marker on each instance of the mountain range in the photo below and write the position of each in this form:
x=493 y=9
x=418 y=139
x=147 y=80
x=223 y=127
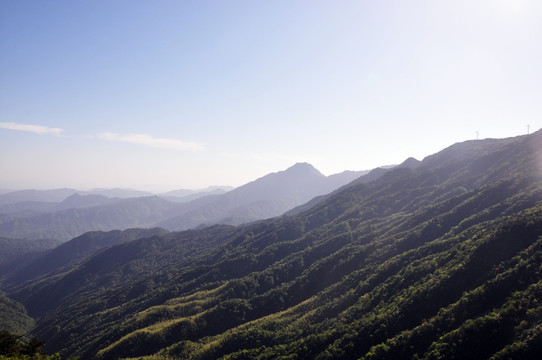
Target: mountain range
x=34 y=218
x=438 y=259
x=183 y=195
x=266 y=197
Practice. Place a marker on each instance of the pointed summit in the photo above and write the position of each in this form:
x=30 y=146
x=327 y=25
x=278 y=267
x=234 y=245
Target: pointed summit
x=303 y=168
x=270 y=195
x=410 y=163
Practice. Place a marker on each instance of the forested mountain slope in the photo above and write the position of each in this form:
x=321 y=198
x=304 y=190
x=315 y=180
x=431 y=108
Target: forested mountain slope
x=438 y=261
x=366 y=178
x=69 y=255
x=11 y=249
x=13 y=316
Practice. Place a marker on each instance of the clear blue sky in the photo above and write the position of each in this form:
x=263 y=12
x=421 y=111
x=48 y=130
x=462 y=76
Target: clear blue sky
x=186 y=94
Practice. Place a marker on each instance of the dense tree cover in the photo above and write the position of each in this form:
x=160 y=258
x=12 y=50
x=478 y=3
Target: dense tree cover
x=70 y=254
x=13 y=248
x=17 y=253
x=13 y=348
x=13 y=316
x=439 y=261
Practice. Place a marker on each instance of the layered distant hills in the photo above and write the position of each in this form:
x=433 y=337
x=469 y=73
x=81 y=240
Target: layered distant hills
x=438 y=259
x=183 y=195
x=268 y=196
x=65 y=213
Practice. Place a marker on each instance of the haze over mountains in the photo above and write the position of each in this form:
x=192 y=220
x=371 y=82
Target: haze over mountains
x=184 y=195
x=268 y=196
x=66 y=213
x=437 y=259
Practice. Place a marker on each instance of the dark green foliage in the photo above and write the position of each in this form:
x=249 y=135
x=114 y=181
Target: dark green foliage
x=32 y=347
x=13 y=316
x=16 y=248
x=9 y=344
x=438 y=261
x=13 y=348
x=72 y=253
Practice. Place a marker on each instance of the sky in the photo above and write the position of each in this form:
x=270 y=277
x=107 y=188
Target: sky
x=161 y=95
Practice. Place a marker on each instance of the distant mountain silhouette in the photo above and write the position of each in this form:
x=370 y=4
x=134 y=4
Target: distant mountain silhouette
x=78 y=201
x=79 y=212
x=58 y=195
x=55 y=195
x=34 y=208
x=410 y=163
x=183 y=195
x=66 y=224
x=27 y=208
x=117 y=193
x=76 y=212
x=185 y=192
x=268 y=196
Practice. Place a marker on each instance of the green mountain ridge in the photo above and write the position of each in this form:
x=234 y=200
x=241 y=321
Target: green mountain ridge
x=366 y=178
x=69 y=255
x=440 y=259
x=13 y=248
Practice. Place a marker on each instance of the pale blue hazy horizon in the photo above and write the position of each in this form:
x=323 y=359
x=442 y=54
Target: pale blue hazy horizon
x=187 y=94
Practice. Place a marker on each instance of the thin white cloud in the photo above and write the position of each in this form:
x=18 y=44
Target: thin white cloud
x=147 y=140
x=37 y=129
